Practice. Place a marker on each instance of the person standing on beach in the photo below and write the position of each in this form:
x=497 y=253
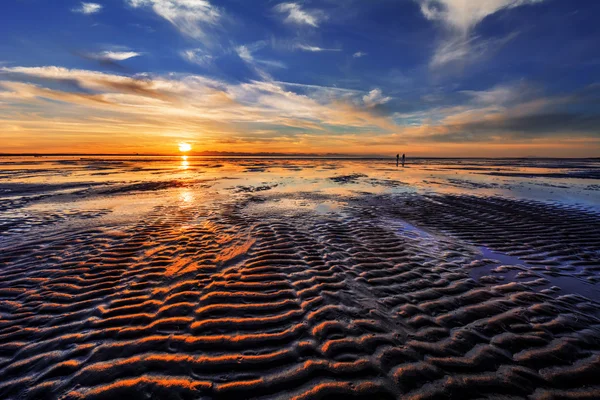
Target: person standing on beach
x=403 y=159
x=397 y=159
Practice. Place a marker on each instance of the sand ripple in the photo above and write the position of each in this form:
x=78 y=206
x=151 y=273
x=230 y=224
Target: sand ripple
x=215 y=301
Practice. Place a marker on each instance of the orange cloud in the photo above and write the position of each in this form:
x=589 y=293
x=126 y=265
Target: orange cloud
x=54 y=109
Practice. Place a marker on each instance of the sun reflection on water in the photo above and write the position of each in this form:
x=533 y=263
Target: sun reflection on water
x=187 y=196
x=185 y=164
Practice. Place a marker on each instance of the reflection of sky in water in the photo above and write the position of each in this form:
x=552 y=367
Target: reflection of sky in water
x=568 y=281
x=306 y=175
x=293 y=206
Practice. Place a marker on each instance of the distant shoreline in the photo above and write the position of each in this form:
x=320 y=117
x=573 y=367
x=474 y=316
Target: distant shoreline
x=283 y=155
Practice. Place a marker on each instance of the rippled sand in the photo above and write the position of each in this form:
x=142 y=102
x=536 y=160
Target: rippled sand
x=269 y=278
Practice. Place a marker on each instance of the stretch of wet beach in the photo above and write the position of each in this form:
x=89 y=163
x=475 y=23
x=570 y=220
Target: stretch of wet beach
x=277 y=278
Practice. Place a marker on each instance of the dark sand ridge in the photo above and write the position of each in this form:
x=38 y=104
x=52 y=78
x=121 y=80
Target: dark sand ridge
x=221 y=300
x=236 y=289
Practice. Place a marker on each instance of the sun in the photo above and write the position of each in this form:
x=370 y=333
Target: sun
x=185 y=147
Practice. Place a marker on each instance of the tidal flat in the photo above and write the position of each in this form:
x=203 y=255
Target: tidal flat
x=279 y=278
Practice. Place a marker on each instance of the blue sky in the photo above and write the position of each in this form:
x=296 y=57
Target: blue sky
x=436 y=77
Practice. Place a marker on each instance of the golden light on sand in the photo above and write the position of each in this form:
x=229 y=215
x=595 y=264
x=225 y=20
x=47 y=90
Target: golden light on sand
x=185 y=147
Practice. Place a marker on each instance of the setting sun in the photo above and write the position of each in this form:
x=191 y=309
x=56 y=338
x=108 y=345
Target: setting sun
x=185 y=147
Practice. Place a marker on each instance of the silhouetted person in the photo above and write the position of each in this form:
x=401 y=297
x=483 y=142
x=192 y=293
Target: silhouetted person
x=397 y=159
x=403 y=159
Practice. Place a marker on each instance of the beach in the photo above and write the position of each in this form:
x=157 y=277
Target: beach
x=304 y=278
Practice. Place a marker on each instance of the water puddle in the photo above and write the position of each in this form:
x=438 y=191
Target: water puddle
x=413 y=232
x=297 y=206
x=503 y=268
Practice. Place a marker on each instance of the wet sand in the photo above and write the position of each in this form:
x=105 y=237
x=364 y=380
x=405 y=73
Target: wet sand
x=268 y=278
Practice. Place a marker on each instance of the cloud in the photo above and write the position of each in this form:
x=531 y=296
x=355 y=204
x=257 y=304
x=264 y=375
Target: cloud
x=518 y=128
x=110 y=58
x=197 y=56
x=324 y=94
x=359 y=54
x=98 y=82
x=459 y=18
x=503 y=95
x=191 y=17
x=296 y=44
x=314 y=49
x=542 y=124
x=463 y=16
x=148 y=111
x=114 y=55
x=88 y=8
x=510 y=113
x=318 y=87
x=375 y=98
x=467 y=50
x=246 y=53
x=119 y=113
x=189 y=102
x=295 y=14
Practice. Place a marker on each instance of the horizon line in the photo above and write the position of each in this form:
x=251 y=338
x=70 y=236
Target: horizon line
x=275 y=154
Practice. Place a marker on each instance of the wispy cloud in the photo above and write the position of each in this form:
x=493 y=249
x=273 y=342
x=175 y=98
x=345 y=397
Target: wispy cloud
x=359 y=54
x=468 y=50
x=298 y=44
x=319 y=87
x=294 y=14
x=246 y=53
x=375 y=98
x=190 y=17
x=114 y=55
x=325 y=94
x=314 y=49
x=197 y=56
x=88 y=8
x=503 y=94
x=458 y=19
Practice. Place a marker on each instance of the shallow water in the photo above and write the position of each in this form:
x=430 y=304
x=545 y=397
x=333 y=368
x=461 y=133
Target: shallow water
x=571 y=181
x=156 y=277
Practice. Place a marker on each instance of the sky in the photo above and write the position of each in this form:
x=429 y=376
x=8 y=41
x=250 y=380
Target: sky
x=475 y=78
